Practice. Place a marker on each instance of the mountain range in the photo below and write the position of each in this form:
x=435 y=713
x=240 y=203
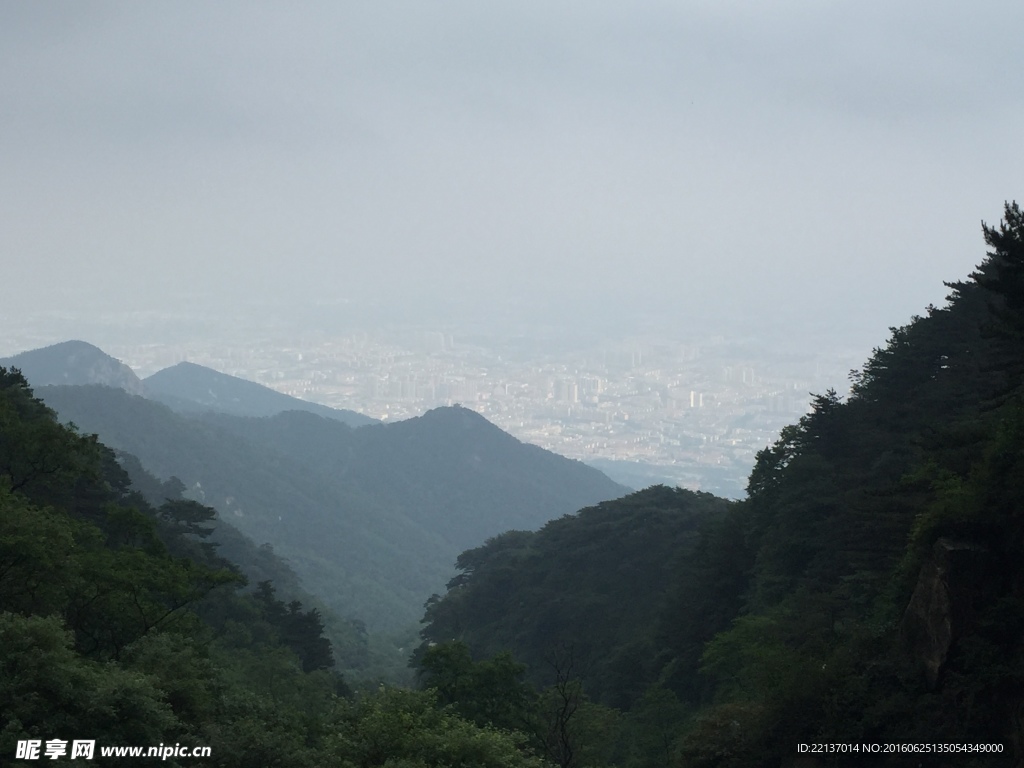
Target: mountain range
x=184 y=387
x=74 y=362
x=187 y=387
x=371 y=518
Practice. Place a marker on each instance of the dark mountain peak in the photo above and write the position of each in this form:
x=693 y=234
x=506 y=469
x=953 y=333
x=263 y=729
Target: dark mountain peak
x=372 y=518
x=184 y=367
x=191 y=387
x=457 y=415
x=74 y=362
x=453 y=425
x=457 y=440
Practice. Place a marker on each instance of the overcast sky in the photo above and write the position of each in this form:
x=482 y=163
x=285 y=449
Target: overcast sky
x=814 y=160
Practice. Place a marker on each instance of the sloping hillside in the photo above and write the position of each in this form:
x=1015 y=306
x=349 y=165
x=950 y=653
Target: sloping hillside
x=372 y=519
x=870 y=589
x=187 y=387
x=74 y=362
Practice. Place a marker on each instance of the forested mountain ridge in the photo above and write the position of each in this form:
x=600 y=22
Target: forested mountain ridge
x=353 y=651
x=566 y=585
x=371 y=519
x=456 y=473
x=869 y=590
x=120 y=625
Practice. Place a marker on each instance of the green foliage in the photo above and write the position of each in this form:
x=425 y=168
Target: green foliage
x=870 y=588
x=399 y=728
x=119 y=623
x=534 y=593
x=488 y=693
x=35 y=551
x=99 y=627
x=48 y=690
x=653 y=727
x=302 y=631
x=847 y=509
x=371 y=518
x=706 y=595
x=179 y=665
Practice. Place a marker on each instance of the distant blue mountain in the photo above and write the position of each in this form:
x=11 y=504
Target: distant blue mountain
x=74 y=362
x=371 y=518
x=188 y=388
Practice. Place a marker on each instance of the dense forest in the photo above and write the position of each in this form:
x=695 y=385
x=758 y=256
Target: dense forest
x=121 y=624
x=373 y=518
x=868 y=590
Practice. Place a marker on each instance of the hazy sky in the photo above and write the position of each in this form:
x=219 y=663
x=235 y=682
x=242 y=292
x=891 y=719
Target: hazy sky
x=829 y=161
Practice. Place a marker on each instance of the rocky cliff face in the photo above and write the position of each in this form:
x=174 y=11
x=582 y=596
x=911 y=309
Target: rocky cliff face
x=941 y=610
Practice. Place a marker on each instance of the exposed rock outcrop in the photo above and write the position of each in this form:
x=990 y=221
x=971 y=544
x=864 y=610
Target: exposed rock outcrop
x=942 y=608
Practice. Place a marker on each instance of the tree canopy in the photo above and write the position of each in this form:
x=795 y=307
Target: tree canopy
x=869 y=589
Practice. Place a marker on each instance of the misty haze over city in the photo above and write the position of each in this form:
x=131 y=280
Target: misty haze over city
x=537 y=185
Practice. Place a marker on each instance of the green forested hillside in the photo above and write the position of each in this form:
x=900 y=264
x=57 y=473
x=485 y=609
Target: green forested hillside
x=458 y=476
x=121 y=626
x=870 y=588
x=596 y=581
x=371 y=519
x=332 y=536
x=353 y=650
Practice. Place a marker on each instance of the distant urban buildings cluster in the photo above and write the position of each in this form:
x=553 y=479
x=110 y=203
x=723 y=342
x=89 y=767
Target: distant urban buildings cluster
x=643 y=409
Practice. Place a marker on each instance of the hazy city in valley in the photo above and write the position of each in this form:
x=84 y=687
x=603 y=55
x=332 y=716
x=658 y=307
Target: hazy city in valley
x=645 y=409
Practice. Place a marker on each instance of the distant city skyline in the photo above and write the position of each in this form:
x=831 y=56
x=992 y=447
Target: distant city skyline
x=644 y=408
